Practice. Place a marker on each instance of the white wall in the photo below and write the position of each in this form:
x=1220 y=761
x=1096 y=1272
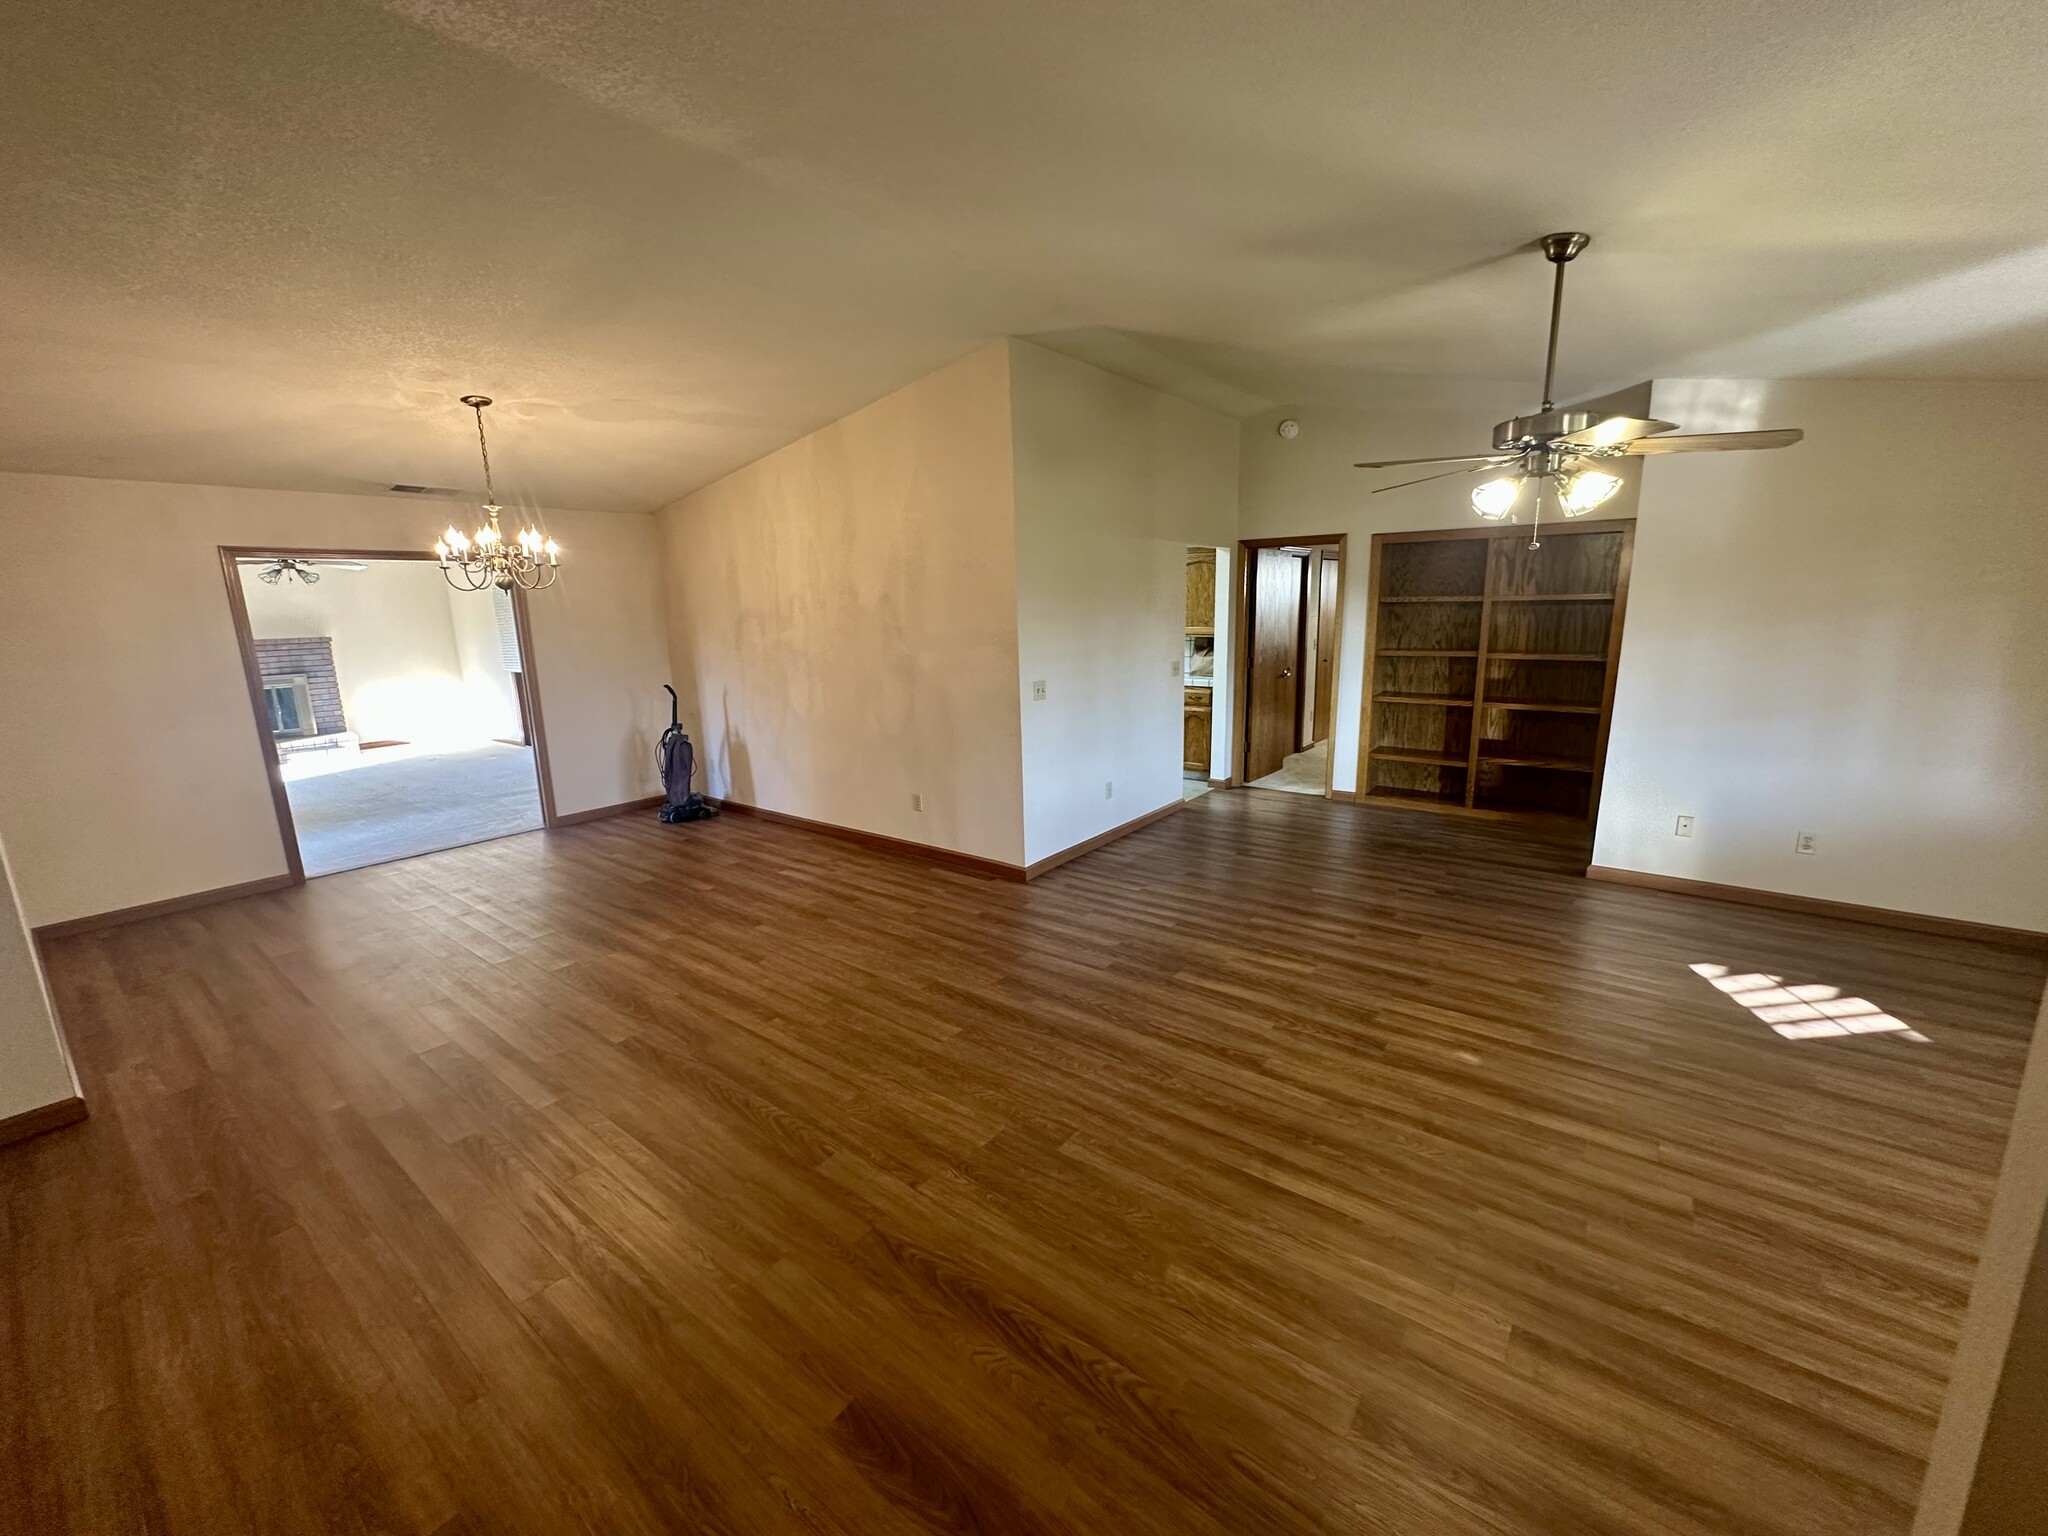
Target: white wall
x=394 y=645
x=1848 y=637
x=130 y=769
x=35 y=1069
x=491 y=697
x=843 y=619
x=1114 y=482
x=1308 y=485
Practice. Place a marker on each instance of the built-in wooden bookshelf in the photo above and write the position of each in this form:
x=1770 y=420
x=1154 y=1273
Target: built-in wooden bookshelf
x=1492 y=667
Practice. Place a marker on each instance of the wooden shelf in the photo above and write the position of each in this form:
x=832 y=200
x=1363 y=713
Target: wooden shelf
x=1503 y=614
x=1449 y=800
x=1562 y=764
x=1402 y=755
x=1202 y=631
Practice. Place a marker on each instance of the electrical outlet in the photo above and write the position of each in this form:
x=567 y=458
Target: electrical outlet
x=1805 y=844
x=1684 y=828
x=1038 y=689
x=1109 y=789
x=917 y=802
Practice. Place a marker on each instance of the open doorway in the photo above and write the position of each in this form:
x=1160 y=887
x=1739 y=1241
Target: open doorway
x=1292 y=600
x=396 y=714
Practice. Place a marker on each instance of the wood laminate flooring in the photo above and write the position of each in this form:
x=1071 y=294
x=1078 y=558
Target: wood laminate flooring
x=1285 y=1167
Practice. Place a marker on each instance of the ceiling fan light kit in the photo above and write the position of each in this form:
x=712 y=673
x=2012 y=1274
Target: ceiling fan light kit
x=286 y=567
x=478 y=561
x=1557 y=450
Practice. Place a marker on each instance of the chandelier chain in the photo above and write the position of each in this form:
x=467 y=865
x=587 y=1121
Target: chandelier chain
x=486 y=558
x=484 y=447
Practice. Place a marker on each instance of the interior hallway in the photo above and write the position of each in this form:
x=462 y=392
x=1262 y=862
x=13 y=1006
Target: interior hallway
x=1303 y=773
x=635 y=1178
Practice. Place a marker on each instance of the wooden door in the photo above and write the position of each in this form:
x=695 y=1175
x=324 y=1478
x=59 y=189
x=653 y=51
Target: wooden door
x=1273 y=691
x=1201 y=591
x=1326 y=645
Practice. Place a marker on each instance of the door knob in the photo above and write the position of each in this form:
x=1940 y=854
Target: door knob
x=1287 y=671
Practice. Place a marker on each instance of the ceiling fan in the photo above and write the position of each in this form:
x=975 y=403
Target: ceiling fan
x=1563 y=449
x=286 y=565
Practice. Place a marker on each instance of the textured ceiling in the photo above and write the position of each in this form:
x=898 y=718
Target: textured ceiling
x=267 y=244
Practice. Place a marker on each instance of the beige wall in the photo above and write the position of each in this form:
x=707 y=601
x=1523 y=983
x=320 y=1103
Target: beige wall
x=843 y=619
x=1845 y=638
x=394 y=644
x=35 y=1070
x=1113 y=482
x=129 y=765
x=491 y=694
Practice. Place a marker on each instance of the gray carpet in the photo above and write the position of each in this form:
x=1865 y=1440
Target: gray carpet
x=385 y=811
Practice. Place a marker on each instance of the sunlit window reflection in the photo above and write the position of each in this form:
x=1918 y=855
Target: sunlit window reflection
x=1806 y=1011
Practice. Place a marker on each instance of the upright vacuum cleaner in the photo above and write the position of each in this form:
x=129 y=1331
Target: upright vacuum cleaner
x=677 y=760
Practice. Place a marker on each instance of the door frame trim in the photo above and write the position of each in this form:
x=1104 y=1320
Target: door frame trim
x=231 y=556
x=1240 y=652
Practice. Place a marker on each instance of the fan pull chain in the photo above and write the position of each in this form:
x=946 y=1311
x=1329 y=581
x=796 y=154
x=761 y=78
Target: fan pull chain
x=1536 y=522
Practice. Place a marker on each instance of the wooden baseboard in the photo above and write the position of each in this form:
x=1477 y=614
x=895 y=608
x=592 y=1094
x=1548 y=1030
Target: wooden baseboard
x=972 y=863
x=33 y=1122
x=623 y=808
x=1343 y=794
x=1065 y=855
x=98 y=920
x=1220 y=783
x=1883 y=917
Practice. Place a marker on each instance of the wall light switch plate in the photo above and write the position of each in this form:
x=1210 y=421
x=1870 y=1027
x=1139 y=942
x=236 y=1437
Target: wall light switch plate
x=1038 y=689
x=1684 y=828
x=1109 y=789
x=1805 y=844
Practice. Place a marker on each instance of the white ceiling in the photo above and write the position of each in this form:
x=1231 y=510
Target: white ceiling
x=265 y=244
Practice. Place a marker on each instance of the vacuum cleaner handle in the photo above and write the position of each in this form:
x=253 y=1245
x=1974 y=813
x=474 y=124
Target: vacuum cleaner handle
x=674 y=718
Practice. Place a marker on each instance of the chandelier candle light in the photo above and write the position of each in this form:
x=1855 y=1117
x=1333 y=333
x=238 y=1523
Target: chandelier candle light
x=476 y=562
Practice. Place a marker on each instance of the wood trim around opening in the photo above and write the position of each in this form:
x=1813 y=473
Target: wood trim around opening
x=231 y=556
x=33 y=1122
x=2025 y=939
x=1240 y=611
x=266 y=740
x=529 y=697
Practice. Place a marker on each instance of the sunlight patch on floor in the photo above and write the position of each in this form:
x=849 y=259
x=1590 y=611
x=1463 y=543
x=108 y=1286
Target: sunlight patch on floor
x=1806 y=1011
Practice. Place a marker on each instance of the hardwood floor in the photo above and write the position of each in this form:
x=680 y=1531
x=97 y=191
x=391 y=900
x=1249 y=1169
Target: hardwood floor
x=1286 y=1167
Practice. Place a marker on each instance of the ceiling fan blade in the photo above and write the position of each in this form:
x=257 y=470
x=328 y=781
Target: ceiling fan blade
x=1614 y=431
x=1468 y=458
x=1475 y=469
x=341 y=565
x=1716 y=442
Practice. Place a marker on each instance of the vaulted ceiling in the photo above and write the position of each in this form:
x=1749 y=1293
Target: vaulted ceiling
x=264 y=244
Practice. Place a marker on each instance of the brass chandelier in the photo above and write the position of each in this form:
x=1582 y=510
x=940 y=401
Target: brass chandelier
x=479 y=561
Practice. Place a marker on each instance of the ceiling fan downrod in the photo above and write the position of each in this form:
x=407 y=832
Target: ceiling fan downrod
x=1558 y=249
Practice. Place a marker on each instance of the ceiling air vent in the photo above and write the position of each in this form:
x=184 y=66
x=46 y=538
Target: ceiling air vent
x=425 y=490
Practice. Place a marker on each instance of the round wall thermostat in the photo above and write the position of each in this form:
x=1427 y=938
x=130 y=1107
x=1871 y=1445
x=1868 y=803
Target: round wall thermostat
x=1290 y=429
